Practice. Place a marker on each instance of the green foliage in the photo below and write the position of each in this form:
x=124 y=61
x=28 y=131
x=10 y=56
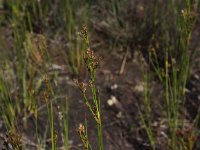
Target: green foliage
x=168 y=52
x=161 y=30
x=91 y=62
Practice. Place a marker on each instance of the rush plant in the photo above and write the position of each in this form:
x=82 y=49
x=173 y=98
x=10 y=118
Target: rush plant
x=94 y=105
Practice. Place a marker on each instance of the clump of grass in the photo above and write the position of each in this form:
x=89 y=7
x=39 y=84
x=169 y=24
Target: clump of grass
x=65 y=123
x=70 y=22
x=170 y=57
x=8 y=111
x=91 y=62
x=49 y=93
x=146 y=116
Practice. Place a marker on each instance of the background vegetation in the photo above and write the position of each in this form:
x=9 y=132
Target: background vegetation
x=149 y=49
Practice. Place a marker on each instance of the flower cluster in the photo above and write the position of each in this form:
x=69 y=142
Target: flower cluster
x=91 y=61
x=83 y=135
x=186 y=137
x=82 y=86
x=84 y=34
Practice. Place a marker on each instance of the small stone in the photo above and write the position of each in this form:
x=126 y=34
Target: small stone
x=113 y=87
x=1 y=124
x=112 y=101
x=198 y=97
x=164 y=134
x=139 y=88
x=187 y=90
x=193 y=89
x=119 y=115
x=196 y=76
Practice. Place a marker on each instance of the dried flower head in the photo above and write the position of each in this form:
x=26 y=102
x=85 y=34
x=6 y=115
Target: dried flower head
x=81 y=129
x=186 y=135
x=82 y=86
x=83 y=135
x=55 y=135
x=46 y=96
x=14 y=139
x=189 y=18
x=46 y=79
x=91 y=61
x=186 y=13
x=90 y=83
x=84 y=34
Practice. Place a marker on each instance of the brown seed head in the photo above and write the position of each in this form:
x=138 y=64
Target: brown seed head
x=193 y=138
x=82 y=86
x=84 y=34
x=91 y=61
x=81 y=128
x=46 y=96
x=14 y=139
